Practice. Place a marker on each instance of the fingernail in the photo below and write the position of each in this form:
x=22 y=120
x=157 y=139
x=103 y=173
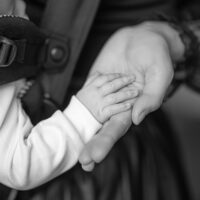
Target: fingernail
x=135 y=92
x=131 y=93
x=141 y=116
x=131 y=77
x=128 y=105
x=89 y=167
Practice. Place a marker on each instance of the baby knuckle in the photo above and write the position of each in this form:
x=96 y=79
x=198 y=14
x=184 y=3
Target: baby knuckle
x=99 y=91
x=99 y=115
x=126 y=105
x=110 y=76
x=128 y=93
x=124 y=80
x=102 y=91
x=122 y=106
x=107 y=77
x=101 y=79
x=111 y=99
x=112 y=86
x=107 y=111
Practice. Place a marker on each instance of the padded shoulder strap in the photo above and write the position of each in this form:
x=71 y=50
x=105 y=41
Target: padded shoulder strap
x=21 y=49
x=68 y=23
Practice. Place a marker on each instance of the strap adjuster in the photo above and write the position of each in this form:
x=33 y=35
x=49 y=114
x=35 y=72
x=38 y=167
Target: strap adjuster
x=8 y=51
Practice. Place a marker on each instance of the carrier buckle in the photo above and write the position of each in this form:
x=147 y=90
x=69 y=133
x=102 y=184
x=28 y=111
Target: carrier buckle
x=8 y=51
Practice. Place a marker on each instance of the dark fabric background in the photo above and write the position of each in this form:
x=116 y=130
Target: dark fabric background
x=145 y=164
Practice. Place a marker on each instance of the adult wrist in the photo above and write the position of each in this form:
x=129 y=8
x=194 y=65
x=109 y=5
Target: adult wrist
x=170 y=35
x=185 y=59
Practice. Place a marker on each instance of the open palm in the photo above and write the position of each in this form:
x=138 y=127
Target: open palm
x=146 y=55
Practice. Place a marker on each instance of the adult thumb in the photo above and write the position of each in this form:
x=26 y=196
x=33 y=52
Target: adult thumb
x=145 y=104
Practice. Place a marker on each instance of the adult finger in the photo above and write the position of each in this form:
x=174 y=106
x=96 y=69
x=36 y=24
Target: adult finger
x=153 y=94
x=100 y=145
x=88 y=167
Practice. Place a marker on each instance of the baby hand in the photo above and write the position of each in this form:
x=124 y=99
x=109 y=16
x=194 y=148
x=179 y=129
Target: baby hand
x=105 y=95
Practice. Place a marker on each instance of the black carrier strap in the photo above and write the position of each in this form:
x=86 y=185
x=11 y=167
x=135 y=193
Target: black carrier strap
x=67 y=23
x=21 y=49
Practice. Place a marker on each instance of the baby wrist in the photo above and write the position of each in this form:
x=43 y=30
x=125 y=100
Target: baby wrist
x=82 y=119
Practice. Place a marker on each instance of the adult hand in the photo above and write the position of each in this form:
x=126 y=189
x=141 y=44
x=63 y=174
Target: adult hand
x=147 y=51
x=100 y=145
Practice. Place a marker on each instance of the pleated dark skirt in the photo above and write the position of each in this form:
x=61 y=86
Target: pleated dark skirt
x=144 y=165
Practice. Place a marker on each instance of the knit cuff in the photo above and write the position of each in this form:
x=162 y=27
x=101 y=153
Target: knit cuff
x=82 y=119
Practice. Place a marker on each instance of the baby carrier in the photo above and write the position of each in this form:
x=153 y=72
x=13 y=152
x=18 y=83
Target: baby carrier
x=141 y=166
x=50 y=52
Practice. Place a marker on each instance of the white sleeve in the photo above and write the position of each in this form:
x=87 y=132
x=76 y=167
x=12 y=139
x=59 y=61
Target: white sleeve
x=31 y=156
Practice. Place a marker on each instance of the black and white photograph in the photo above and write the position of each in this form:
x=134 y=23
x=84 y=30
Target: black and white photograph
x=99 y=99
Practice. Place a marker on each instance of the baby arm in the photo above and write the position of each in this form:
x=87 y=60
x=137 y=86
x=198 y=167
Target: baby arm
x=32 y=155
x=117 y=93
